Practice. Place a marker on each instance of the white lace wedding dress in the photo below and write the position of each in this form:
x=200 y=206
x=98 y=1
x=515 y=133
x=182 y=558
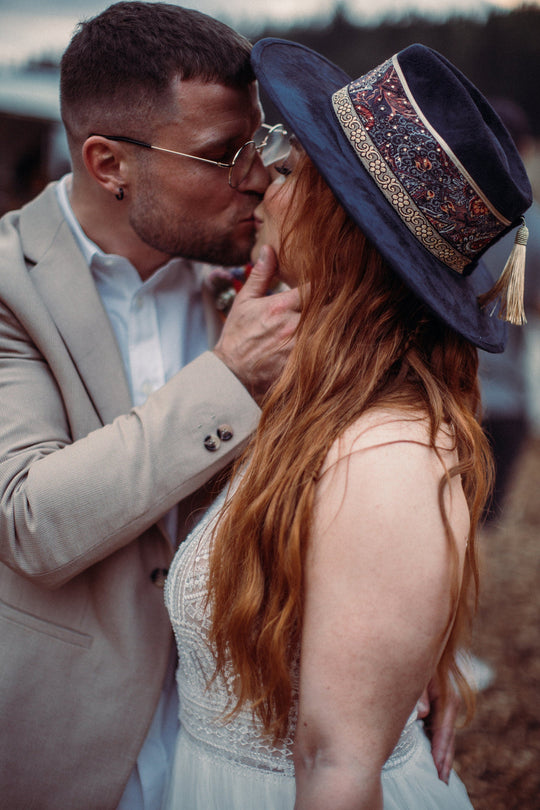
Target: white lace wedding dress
x=230 y=765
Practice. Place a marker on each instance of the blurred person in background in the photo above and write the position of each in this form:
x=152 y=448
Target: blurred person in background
x=510 y=381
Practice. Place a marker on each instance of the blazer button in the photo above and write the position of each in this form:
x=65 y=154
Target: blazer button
x=158 y=577
x=211 y=442
x=225 y=433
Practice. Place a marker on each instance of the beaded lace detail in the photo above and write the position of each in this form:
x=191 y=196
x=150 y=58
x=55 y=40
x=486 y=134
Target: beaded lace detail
x=204 y=704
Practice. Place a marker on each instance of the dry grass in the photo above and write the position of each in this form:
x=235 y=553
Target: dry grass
x=498 y=756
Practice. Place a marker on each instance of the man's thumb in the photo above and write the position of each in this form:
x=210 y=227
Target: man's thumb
x=262 y=274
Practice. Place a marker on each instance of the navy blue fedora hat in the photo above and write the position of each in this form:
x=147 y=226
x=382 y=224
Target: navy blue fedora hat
x=419 y=160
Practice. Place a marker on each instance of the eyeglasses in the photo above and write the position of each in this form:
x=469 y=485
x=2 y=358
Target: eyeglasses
x=269 y=143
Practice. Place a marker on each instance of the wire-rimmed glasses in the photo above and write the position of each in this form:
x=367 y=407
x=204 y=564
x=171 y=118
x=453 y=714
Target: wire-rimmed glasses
x=269 y=143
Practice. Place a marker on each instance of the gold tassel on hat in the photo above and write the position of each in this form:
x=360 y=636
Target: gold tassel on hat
x=511 y=284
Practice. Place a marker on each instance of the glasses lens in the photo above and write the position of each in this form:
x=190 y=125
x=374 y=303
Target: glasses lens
x=242 y=165
x=276 y=146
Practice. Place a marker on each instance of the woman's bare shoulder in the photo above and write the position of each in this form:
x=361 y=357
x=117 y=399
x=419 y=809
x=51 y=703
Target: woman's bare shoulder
x=384 y=469
x=382 y=427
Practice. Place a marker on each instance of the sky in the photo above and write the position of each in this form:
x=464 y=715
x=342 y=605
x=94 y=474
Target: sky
x=36 y=28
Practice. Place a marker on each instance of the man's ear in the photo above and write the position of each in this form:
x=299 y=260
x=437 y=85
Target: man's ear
x=105 y=162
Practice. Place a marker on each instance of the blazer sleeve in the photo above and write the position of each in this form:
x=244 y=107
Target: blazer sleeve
x=68 y=502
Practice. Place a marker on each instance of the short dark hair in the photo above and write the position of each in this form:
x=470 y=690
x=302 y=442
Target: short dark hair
x=120 y=64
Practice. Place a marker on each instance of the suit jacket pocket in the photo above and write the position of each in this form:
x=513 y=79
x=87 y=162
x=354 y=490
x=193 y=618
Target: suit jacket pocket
x=31 y=622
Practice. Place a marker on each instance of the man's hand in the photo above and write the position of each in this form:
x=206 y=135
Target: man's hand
x=258 y=334
x=440 y=724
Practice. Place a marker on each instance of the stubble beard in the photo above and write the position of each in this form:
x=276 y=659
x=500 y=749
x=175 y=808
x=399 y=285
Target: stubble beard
x=194 y=241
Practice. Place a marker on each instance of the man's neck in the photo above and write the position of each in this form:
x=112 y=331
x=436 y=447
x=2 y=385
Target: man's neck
x=112 y=233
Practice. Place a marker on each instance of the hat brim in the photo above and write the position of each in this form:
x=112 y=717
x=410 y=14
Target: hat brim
x=300 y=83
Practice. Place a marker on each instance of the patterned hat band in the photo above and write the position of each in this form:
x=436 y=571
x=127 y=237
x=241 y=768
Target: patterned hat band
x=415 y=169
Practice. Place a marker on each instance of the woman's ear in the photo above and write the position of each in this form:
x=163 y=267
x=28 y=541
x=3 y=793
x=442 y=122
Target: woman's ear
x=106 y=163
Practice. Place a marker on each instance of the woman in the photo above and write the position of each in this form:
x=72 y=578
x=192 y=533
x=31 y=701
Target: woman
x=332 y=581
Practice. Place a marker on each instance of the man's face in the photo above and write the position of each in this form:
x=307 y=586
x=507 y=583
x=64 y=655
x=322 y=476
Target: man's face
x=183 y=207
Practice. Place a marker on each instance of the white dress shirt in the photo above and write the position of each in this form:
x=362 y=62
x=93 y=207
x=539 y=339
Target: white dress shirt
x=160 y=327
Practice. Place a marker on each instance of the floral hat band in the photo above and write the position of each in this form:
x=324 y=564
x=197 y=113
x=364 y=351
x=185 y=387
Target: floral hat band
x=419 y=174
x=415 y=169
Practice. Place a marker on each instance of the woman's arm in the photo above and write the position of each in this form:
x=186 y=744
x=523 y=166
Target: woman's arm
x=377 y=604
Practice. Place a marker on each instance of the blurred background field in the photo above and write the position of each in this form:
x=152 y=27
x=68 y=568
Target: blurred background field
x=498 y=756
x=497 y=44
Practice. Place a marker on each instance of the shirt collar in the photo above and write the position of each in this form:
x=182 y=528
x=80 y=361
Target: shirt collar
x=88 y=248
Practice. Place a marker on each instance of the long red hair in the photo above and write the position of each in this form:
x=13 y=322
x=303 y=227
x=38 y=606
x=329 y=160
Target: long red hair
x=363 y=340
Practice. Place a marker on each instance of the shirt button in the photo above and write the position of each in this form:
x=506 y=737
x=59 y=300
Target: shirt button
x=211 y=442
x=139 y=302
x=225 y=433
x=147 y=388
x=158 y=577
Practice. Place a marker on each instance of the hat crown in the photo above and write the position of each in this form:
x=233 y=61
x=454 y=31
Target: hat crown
x=419 y=129
x=467 y=122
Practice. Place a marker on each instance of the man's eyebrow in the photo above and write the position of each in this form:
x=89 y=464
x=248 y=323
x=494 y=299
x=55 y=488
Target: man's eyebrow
x=223 y=144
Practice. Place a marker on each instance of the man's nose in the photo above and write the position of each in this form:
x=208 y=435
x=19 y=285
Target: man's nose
x=257 y=179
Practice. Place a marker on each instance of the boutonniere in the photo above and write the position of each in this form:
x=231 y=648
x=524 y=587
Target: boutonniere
x=225 y=283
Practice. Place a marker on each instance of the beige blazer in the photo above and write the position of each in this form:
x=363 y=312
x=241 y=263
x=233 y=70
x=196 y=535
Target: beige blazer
x=84 y=480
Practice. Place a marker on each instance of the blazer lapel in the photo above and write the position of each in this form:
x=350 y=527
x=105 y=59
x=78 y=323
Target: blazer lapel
x=65 y=284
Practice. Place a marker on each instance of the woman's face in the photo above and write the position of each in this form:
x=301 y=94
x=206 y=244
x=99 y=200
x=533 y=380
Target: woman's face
x=272 y=212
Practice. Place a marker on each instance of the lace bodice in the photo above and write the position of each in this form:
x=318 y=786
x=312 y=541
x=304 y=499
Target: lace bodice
x=202 y=707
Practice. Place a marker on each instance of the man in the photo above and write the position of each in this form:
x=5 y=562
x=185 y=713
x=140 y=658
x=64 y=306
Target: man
x=98 y=314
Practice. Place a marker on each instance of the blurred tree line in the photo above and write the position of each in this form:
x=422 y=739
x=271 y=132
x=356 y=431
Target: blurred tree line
x=500 y=53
